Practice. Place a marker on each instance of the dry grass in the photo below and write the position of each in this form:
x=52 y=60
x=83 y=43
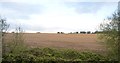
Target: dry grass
x=72 y=41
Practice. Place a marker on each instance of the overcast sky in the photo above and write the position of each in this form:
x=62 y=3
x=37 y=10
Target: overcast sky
x=56 y=15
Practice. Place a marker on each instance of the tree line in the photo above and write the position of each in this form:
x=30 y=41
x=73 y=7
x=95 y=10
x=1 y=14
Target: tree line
x=81 y=32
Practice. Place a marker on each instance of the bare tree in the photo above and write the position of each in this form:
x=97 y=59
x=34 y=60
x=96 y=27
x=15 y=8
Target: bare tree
x=17 y=43
x=3 y=29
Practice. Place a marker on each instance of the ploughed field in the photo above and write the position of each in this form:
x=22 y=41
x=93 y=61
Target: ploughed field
x=83 y=42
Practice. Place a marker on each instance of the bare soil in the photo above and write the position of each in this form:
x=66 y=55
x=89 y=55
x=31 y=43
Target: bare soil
x=71 y=41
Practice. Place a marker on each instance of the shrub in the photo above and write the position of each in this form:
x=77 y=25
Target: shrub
x=52 y=55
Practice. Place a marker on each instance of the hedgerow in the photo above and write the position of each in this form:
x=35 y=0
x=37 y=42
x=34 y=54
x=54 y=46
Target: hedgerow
x=52 y=55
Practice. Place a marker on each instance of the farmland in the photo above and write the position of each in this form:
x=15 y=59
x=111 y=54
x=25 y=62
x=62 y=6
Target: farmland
x=82 y=42
x=48 y=47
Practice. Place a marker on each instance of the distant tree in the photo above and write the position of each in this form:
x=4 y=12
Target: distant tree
x=97 y=32
x=83 y=32
x=70 y=32
x=76 y=32
x=88 y=32
x=62 y=32
x=58 y=32
x=13 y=32
x=37 y=32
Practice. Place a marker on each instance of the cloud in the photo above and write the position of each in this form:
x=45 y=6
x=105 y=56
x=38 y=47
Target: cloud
x=34 y=1
x=88 y=7
x=66 y=23
x=19 y=10
x=56 y=15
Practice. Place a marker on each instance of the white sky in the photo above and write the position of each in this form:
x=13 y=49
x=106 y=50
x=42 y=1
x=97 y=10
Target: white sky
x=57 y=15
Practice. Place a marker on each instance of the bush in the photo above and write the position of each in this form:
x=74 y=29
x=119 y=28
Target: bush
x=52 y=55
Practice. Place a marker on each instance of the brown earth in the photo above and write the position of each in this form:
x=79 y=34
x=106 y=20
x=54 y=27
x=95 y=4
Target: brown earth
x=70 y=41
